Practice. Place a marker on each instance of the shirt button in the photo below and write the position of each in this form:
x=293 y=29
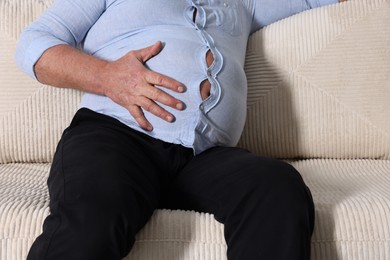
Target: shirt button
x=209 y=73
x=201 y=107
x=225 y=4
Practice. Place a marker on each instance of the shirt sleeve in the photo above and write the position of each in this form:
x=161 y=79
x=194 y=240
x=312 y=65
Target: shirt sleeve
x=269 y=11
x=64 y=22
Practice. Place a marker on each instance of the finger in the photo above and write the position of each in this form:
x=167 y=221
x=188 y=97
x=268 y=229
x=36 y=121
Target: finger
x=145 y=54
x=158 y=79
x=139 y=116
x=155 y=109
x=158 y=95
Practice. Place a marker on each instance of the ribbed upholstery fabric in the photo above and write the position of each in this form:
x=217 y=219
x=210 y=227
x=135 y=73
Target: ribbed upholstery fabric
x=352 y=199
x=32 y=116
x=319 y=84
x=180 y=235
x=23 y=207
x=319 y=87
x=31 y=130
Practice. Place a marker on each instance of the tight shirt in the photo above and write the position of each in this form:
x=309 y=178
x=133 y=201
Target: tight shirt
x=108 y=29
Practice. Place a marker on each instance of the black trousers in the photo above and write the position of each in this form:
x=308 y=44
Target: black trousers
x=107 y=179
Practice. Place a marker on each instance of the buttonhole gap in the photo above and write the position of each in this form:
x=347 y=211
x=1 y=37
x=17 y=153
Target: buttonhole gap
x=194 y=14
x=205 y=85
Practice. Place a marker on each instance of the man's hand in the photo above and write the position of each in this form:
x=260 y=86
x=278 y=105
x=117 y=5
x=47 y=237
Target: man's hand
x=126 y=81
x=131 y=85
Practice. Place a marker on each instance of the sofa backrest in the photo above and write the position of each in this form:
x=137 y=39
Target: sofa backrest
x=319 y=84
x=319 y=87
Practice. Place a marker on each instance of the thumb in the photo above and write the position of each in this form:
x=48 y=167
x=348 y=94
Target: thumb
x=145 y=54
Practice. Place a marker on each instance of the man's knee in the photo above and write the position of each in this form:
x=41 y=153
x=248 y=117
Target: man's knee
x=276 y=186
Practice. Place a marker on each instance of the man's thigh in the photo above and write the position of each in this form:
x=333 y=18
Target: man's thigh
x=98 y=158
x=221 y=178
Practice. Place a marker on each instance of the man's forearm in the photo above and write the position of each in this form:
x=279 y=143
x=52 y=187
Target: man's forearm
x=125 y=81
x=67 y=67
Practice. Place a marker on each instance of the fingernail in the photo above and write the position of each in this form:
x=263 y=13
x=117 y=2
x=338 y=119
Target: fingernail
x=169 y=118
x=181 y=88
x=149 y=128
x=179 y=106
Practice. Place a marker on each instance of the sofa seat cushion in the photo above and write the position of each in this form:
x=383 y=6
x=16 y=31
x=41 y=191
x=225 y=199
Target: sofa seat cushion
x=352 y=201
x=23 y=206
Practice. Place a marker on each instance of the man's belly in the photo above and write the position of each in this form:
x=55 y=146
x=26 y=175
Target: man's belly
x=215 y=96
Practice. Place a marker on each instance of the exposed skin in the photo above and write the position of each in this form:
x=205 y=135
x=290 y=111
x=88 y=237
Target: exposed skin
x=126 y=81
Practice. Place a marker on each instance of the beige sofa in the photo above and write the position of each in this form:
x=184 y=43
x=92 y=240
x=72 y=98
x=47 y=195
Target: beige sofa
x=319 y=96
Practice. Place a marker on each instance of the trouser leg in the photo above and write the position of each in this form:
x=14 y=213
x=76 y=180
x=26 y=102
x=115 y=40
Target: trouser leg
x=266 y=207
x=102 y=190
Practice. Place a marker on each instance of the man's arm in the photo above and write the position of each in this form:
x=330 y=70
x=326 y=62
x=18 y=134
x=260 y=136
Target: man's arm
x=126 y=81
x=46 y=51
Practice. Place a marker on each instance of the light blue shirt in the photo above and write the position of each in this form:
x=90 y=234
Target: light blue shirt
x=108 y=29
